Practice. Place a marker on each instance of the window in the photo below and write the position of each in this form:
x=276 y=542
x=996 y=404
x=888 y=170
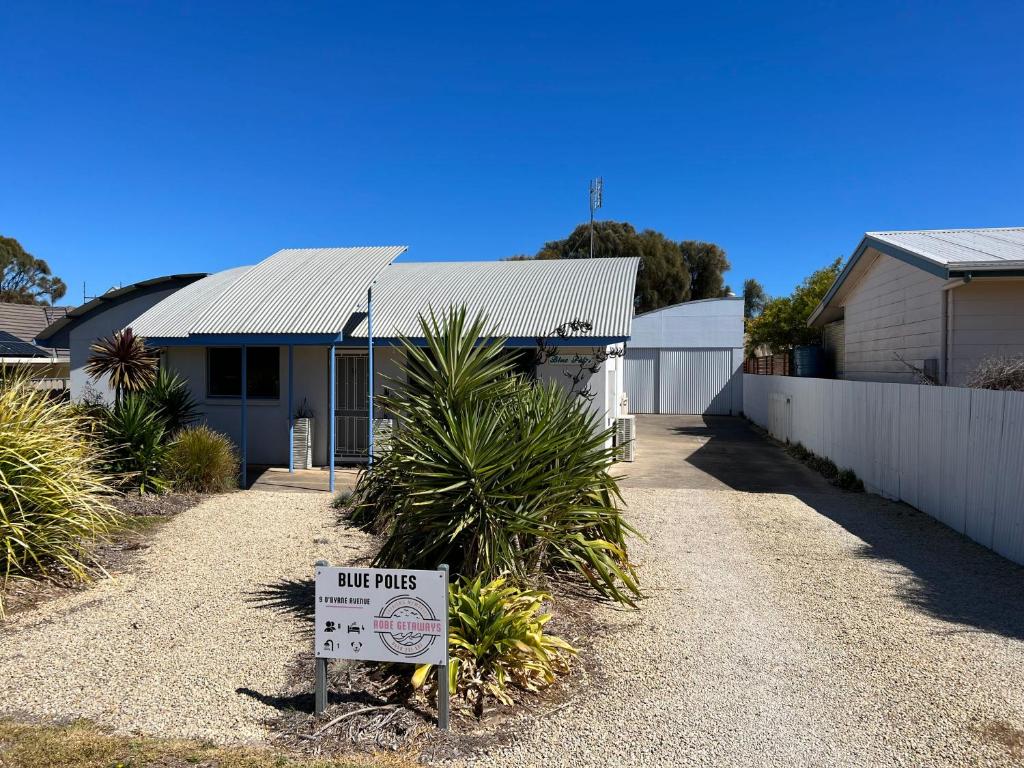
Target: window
x=224 y=372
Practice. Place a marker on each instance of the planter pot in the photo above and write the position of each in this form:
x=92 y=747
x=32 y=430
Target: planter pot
x=303 y=444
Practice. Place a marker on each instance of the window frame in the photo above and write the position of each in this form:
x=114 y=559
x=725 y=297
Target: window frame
x=238 y=397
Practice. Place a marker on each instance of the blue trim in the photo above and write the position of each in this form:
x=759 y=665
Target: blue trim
x=888 y=249
x=250 y=339
x=291 y=410
x=331 y=426
x=369 y=364
x=516 y=341
x=245 y=416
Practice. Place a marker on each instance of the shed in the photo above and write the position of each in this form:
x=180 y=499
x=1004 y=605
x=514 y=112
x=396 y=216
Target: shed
x=687 y=359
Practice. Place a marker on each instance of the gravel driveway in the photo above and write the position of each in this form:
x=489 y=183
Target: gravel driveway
x=830 y=629
x=194 y=641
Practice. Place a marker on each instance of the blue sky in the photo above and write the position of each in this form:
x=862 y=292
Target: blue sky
x=146 y=138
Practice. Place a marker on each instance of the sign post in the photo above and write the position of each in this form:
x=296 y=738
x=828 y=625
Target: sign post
x=443 y=694
x=381 y=614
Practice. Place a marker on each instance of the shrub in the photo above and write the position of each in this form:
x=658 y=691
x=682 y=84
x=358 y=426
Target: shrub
x=170 y=398
x=135 y=435
x=998 y=373
x=847 y=480
x=200 y=460
x=497 y=641
x=493 y=474
x=52 y=498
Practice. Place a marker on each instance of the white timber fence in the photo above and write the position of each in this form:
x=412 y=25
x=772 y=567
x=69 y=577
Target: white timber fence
x=954 y=453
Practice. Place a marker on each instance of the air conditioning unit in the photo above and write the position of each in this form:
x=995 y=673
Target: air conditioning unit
x=625 y=438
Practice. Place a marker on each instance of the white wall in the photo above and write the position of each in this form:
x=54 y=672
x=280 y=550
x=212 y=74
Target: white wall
x=687 y=358
x=952 y=452
x=986 y=319
x=894 y=308
x=112 y=318
x=606 y=385
x=268 y=419
x=706 y=323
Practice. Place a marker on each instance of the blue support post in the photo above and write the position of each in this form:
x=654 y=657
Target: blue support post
x=291 y=411
x=245 y=417
x=331 y=425
x=369 y=352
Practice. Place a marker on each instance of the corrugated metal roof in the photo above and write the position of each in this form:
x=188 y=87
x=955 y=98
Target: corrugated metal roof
x=997 y=248
x=520 y=298
x=169 y=318
x=945 y=253
x=294 y=291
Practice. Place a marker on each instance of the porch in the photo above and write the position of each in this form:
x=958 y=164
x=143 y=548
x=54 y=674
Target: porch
x=261 y=477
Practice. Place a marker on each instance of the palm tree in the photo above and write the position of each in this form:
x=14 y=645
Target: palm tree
x=126 y=360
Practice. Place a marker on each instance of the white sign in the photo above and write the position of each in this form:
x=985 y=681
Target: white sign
x=573 y=358
x=380 y=614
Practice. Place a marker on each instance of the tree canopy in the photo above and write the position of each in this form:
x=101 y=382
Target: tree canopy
x=754 y=298
x=24 y=279
x=708 y=265
x=782 y=323
x=666 y=277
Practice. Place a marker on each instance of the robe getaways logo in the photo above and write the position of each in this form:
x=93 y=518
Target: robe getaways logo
x=407 y=626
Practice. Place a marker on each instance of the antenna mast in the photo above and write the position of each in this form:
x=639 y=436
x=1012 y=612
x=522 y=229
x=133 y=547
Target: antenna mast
x=596 y=195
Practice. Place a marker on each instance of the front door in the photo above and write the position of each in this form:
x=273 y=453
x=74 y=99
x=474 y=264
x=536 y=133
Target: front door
x=351 y=419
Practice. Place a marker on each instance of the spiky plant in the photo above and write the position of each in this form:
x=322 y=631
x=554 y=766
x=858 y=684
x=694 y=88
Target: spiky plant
x=135 y=435
x=170 y=397
x=125 y=359
x=497 y=641
x=53 y=499
x=492 y=474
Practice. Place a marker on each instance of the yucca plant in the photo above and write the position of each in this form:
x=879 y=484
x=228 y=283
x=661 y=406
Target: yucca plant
x=497 y=641
x=135 y=435
x=53 y=499
x=169 y=396
x=200 y=460
x=492 y=474
x=125 y=359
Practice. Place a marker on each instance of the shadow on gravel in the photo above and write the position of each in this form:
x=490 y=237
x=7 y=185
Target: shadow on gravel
x=954 y=579
x=291 y=596
x=303 y=702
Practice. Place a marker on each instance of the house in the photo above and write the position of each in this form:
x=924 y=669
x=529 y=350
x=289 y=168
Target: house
x=309 y=328
x=939 y=301
x=687 y=359
x=77 y=329
x=47 y=366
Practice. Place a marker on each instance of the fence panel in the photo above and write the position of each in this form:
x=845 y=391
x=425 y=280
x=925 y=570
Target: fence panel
x=954 y=453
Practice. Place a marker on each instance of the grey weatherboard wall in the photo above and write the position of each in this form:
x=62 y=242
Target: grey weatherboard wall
x=687 y=359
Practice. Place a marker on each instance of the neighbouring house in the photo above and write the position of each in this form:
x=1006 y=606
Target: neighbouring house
x=687 y=359
x=47 y=365
x=305 y=330
x=939 y=301
x=77 y=329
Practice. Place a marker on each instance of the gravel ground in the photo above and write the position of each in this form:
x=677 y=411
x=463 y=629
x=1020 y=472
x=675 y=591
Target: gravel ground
x=840 y=629
x=194 y=639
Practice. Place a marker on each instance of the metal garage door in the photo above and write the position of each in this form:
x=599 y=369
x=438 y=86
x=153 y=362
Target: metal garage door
x=694 y=381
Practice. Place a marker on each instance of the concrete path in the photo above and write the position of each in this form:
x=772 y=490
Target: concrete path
x=808 y=628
